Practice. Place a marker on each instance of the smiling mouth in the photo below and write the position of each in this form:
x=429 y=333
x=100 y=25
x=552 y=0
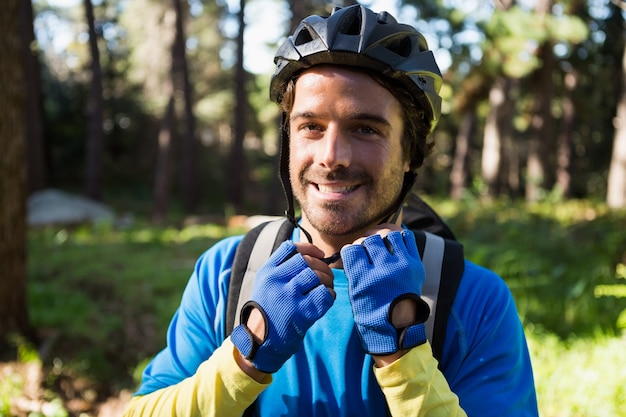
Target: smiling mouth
x=334 y=189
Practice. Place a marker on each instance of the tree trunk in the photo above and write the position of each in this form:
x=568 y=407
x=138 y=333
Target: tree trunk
x=459 y=173
x=13 y=307
x=189 y=146
x=95 y=108
x=564 y=150
x=167 y=129
x=33 y=116
x=540 y=146
x=616 y=189
x=513 y=165
x=298 y=12
x=304 y=8
x=509 y=154
x=162 y=169
x=492 y=142
x=237 y=165
x=497 y=125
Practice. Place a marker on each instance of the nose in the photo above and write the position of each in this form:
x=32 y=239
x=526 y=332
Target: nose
x=334 y=149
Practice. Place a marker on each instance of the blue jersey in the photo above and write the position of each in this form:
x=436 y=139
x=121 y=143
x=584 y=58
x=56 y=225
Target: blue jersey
x=485 y=357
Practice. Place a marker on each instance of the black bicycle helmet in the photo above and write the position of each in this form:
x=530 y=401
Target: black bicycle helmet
x=358 y=37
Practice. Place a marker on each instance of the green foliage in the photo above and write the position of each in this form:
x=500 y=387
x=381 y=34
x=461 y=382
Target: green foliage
x=11 y=386
x=570 y=29
x=557 y=258
x=580 y=377
x=105 y=296
x=18 y=380
x=516 y=33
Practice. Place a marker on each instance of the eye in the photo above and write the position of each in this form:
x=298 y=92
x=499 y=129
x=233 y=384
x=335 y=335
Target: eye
x=310 y=127
x=366 y=130
x=308 y=130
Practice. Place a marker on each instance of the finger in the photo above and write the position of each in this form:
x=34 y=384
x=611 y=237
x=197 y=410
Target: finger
x=389 y=227
x=321 y=269
x=285 y=251
x=321 y=298
x=378 y=247
x=326 y=286
x=306 y=248
x=355 y=253
x=326 y=279
x=410 y=243
x=397 y=241
x=332 y=293
x=316 y=263
x=382 y=229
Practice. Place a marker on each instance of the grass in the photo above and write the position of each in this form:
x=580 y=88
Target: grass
x=580 y=377
x=564 y=262
x=102 y=298
x=112 y=290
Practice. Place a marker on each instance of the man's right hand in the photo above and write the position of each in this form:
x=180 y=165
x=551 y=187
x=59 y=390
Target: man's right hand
x=292 y=290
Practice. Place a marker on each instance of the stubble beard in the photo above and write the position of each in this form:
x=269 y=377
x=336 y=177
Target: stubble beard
x=345 y=218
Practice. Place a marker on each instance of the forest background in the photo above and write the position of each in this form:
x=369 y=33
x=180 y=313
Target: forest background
x=160 y=110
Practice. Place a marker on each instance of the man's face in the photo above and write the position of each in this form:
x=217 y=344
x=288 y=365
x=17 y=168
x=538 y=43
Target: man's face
x=346 y=163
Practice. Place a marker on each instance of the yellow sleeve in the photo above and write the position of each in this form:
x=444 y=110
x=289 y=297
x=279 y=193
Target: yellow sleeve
x=218 y=388
x=414 y=386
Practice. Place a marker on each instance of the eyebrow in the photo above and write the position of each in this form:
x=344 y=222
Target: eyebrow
x=353 y=116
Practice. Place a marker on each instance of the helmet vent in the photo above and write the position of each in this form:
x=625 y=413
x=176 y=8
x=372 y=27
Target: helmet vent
x=400 y=46
x=351 y=22
x=304 y=36
x=383 y=18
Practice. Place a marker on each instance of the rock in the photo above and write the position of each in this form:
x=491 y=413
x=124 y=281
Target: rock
x=249 y=222
x=58 y=207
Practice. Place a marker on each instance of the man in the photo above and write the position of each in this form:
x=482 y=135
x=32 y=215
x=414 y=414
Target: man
x=359 y=95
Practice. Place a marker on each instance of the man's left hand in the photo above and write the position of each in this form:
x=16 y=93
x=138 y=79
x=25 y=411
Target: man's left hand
x=385 y=277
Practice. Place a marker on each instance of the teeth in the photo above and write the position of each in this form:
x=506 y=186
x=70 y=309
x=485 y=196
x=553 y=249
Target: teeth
x=334 y=189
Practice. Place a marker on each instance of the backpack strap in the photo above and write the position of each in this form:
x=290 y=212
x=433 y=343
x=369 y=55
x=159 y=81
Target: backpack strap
x=444 y=264
x=249 y=257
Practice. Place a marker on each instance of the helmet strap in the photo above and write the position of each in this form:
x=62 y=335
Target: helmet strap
x=283 y=168
x=410 y=178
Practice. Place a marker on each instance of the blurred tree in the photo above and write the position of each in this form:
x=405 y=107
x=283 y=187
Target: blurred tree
x=480 y=42
x=517 y=61
x=616 y=190
x=150 y=29
x=564 y=140
x=95 y=111
x=186 y=90
x=298 y=12
x=498 y=121
x=237 y=166
x=167 y=129
x=158 y=61
x=13 y=308
x=303 y=8
x=541 y=140
x=465 y=86
x=162 y=170
x=180 y=75
x=459 y=173
x=35 y=147
x=474 y=87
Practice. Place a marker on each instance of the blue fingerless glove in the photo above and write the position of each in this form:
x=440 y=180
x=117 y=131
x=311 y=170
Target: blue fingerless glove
x=291 y=298
x=382 y=272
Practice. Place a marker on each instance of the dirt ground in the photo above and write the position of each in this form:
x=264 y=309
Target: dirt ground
x=26 y=382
